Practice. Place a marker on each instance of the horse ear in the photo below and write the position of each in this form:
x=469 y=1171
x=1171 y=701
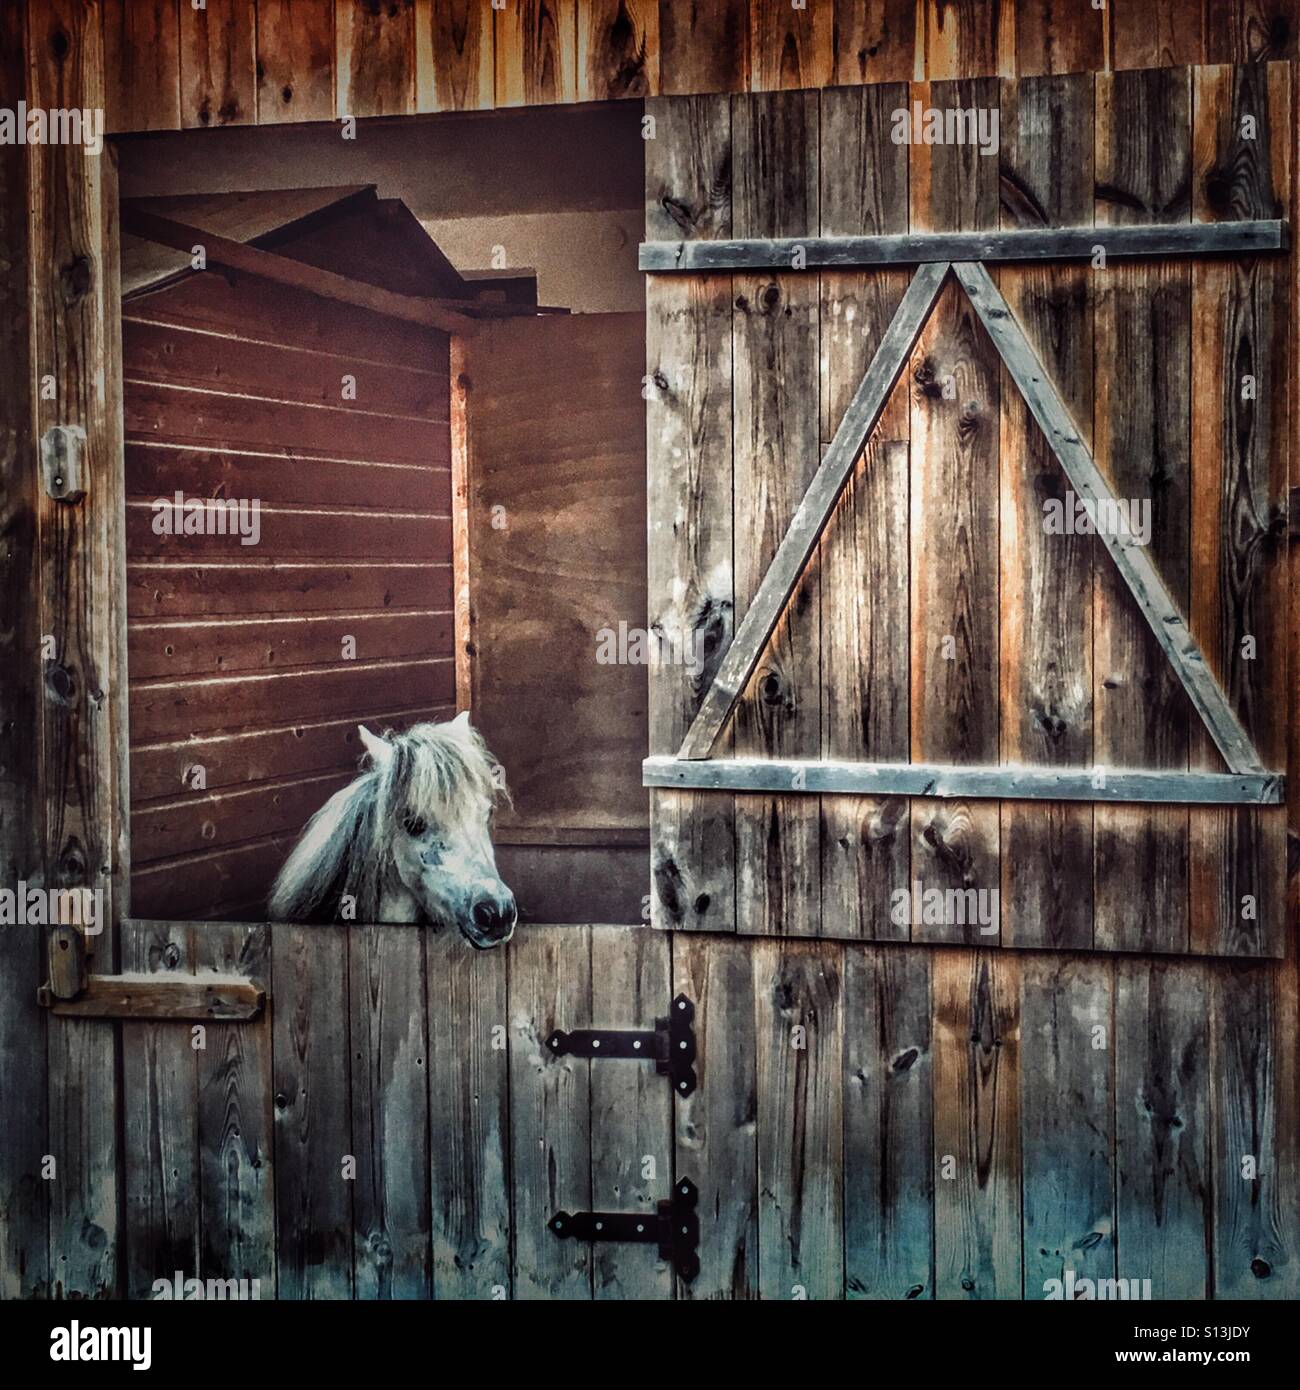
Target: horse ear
x=380 y=750
x=460 y=725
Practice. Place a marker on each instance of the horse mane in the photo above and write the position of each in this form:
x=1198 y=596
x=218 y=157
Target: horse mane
x=440 y=773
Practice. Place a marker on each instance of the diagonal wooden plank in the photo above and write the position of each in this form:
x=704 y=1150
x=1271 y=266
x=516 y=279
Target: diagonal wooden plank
x=814 y=511
x=1134 y=565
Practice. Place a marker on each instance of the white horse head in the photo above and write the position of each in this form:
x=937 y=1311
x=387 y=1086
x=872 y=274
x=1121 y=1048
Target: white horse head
x=408 y=841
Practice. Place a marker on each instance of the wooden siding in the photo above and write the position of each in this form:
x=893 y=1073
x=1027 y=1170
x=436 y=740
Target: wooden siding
x=235 y=389
x=938 y=620
x=272 y=61
x=911 y=1144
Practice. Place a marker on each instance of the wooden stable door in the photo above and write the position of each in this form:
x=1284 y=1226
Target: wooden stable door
x=896 y=372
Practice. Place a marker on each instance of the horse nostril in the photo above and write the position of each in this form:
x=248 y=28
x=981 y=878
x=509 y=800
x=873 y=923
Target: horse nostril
x=485 y=914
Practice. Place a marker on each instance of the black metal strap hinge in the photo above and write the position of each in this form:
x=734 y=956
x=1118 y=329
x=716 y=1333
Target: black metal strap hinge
x=675 y=1227
x=671 y=1046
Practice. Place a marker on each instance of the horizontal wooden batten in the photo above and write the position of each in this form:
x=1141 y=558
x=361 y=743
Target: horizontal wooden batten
x=1030 y=244
x=815 y=777
x=207 y=998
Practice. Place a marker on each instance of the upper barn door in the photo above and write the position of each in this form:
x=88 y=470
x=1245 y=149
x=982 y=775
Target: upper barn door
x=549 y=449
x=952 y=613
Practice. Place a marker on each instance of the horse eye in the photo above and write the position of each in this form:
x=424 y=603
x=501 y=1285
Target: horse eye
x=414 y=826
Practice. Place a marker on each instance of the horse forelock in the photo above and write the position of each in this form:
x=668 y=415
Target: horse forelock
x=441 y=777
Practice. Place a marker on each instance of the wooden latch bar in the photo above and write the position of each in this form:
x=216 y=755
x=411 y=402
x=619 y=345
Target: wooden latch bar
x=201 y=998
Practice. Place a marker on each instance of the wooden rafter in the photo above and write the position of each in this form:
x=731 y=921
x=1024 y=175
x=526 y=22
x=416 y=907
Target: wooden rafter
x=1018 y=244
x=1246 y=782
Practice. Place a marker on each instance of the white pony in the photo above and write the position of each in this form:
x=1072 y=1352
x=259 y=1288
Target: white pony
x=408 y=841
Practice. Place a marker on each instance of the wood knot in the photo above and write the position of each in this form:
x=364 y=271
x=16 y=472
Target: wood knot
x=60 y=43
x=770 y=298
x=76 y=279
x=61 y=683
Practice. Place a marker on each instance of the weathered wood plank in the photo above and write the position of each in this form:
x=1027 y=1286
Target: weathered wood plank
x=965 y=38
x=772 y=586
x=864 y=549
x=550 y=1110
x=716 y=1127
x=314 y=1154
x=235 y=1116
x=703 y=46
x=388 y=1058
x=878 y=41
x=789 y=47
x=24 y=1234
x=469 y=1118
x=954 y=385
x=1252 y=1017
x=135 y=994
x=374 y=58
x=1058 y=36
x=888 y=1124
x=295 y=61
x=977 y=1252
x=799 y=1023
x=1249 y=31
x=1067 y=1121
x=1240 y=396
x=73 y=244
x=1046 y=579
x=1141 y=443
x=454 y=55
x=631 y=1108
x=806 y=775
x=775 y=434
x=688 y=450
x=218 y=64
x=161 y=1176
x=1013 y=244
x=1162 y=1124
x=1155 y=34
x=142 y=65
x=618 y=49
x=536 y=53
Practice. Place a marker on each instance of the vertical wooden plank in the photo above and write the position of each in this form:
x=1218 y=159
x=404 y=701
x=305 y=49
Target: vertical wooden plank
x=162 y=1170
x=536 y=53
x=1058 y=36
x=969 y=38
x=142 y=65
x=1067 y=1109
x=1240 y=381
x=73 y=240
x=313 y=1111
x=237 y=1176
x=388 y=1055
x=24 y=1197
x=453 y=55
x=631 y=1108
x=689 y=502
x=977 y=1241
x=1162 y=1124
x=789 y=47
x=703 y=46
x=1252 y=1028
x=776 y=431
x=955 y=390
x=1046 y=601
x=550 y=1110
x=888 y=1123
x=1141 y=442
x=1249 y=31
x=295 y=60
x=878 y=41
x=374 y=57
x=716 y=1127
x=618 y=49
x=1156 y=34
x=469 y=1105
x=218 y=66
x=863 y=556
x=798 y=1002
